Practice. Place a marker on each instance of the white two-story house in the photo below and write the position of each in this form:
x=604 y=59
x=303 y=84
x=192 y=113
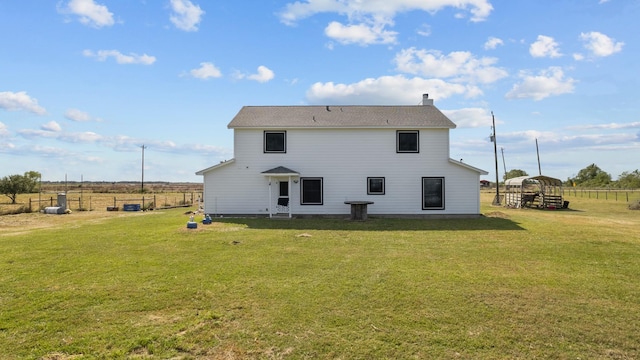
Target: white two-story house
x=308 y=160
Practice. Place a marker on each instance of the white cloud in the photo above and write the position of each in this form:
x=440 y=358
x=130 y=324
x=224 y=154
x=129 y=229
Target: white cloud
x=51 y=126
x=549 y=82
x=458 y=65
x=610 y=126
x=186 y=16
x=14 y=101
x=116 y=143
x=205 y=71
x=544 y=46
x=600 y=44
x=4 y=130
x=368 y=19
x=120 y=58
x=361 y=34
x=77 y=115
x=80 y=137
x=492 y=43
x=263 y=75
x=89 y=12
x=424 y=30
x=479 y=9
x=386 y=90
x=469 y=117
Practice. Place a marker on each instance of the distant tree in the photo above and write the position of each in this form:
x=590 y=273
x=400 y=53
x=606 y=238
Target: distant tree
x=514 y=173
x=13 y=185
x=629 y=180
x=592 y=176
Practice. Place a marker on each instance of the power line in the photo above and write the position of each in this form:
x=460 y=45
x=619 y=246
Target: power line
x=142 y=183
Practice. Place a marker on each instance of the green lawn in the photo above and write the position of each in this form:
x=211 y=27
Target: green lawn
x=515 y=283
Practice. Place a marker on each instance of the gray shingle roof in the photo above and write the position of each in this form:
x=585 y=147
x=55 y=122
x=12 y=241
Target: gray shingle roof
x=419 y=116
x=279 y=170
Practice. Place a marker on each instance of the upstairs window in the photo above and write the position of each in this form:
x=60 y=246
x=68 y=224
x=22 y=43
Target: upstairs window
x=375 y=186
x=275 y=141
x=407 y=141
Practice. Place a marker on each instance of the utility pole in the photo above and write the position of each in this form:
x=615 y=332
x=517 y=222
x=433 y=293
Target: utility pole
x=538 y=153
x=142 y=184
x=504 y=165
x=496 y=201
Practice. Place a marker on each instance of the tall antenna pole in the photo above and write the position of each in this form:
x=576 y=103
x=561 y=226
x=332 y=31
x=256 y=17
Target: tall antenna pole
x=142 y=184
x=538 y=152
x=496 y=201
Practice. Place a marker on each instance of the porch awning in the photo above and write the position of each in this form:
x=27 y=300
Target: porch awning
x=280 y=171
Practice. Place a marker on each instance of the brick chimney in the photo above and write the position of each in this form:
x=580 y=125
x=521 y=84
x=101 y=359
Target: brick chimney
x=426 y=100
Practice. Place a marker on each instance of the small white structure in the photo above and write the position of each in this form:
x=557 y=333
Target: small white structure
x=316 y=160
x=534 y=191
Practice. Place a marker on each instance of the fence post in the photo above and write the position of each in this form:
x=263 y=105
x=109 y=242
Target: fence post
x=154 y=201
x=114 y=202
x=30 y=205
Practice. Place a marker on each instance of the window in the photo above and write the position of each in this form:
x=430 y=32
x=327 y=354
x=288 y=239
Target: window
x=311 y=191
x=407 y=141
x=275 y=141
x=432 y=193
x=375 y=186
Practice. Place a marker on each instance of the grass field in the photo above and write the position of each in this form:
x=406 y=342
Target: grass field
x=514 y=283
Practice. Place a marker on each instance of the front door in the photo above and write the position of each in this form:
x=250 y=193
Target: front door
x=283 y=198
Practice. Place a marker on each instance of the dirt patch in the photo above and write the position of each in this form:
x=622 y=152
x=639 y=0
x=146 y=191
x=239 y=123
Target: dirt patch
x=497 y=214
x=214 y=226
x=27 y=222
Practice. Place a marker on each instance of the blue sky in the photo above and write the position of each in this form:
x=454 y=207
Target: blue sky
x=85 y=83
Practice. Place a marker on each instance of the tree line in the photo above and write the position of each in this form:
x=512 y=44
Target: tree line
x=593 y=177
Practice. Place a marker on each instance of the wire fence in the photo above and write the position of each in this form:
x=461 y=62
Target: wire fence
x=115 y=203
x=626 y=195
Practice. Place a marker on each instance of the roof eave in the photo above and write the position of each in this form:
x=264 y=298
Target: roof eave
x=216 y=166
x=467 y=166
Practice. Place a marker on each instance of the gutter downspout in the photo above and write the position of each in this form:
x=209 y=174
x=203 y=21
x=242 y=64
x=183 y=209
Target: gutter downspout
x=289 y=192
x=270 y=199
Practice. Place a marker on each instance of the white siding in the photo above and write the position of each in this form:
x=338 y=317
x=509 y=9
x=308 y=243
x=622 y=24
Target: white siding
x=344 y=158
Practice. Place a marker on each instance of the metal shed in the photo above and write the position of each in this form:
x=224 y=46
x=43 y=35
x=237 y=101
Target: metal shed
x=534 y=191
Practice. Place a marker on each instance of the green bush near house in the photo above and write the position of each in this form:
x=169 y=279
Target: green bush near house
x=514 y=283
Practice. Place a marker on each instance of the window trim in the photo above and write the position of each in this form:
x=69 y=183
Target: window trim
x=442 y=193
x=371 y=192
x=302 y=181
x=416 y=132
x=264 y=141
